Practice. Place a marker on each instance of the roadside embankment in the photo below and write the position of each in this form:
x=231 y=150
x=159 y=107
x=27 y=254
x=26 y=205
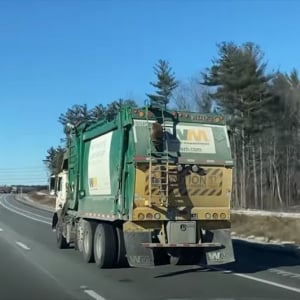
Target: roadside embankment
x=277 y=231
x=266 y=226
x=38 y=199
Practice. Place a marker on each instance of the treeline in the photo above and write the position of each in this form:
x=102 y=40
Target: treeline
x=263 y=116
x=74 y=116
x=262 y=110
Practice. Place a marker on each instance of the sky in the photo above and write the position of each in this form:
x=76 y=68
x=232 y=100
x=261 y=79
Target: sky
x=55 y=54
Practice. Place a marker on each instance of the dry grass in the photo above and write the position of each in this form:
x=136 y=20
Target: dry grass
x=42 y=198
x=271 y=227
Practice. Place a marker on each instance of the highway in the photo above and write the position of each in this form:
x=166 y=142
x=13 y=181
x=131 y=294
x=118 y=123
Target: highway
x=33 y=268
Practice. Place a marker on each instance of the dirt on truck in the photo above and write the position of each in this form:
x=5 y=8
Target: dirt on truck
x=149 y=187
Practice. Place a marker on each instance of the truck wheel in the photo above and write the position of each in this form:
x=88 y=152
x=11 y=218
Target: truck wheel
x=60 y=239
x=105 y=246
x=88 y=241
x=121 y=252
x=79 y=228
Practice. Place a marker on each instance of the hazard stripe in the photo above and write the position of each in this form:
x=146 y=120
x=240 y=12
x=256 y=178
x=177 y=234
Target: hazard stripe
x=214 y=172
x=211 y=193
x=177 y=186
x=195 y=192
x=204 y=192
x=219 y=193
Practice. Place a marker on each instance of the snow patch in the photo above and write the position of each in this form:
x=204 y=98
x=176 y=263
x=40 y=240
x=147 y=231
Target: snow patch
x=253 y=212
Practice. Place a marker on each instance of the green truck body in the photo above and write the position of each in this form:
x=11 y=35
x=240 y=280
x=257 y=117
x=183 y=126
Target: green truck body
x=148 y=187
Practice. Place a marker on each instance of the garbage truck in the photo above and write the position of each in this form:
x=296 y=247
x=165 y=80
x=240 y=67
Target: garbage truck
x=150 y=186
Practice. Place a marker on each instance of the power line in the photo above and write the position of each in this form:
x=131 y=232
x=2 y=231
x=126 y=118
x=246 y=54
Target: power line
x=24 y=168
x=28 y=175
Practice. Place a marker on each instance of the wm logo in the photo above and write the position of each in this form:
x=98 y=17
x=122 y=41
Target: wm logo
x=196 y=135
x=216 y=255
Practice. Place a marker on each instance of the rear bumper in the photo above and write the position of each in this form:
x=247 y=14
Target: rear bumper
x=183 y=245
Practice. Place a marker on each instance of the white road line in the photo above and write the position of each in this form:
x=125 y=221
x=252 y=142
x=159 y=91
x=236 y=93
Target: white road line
x=24 y=210
x=1 y=229
x=22 y=246
x=283 y=286
x=286 y=287
x=23 y=214
x=94 y=295
x=285 y=273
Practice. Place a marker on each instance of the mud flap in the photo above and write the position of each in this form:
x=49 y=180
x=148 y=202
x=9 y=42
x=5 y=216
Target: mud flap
x=137 y=254
x=54 y=221
x=219 y=256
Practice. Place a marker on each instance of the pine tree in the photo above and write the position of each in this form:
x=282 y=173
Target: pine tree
x=165 y=84
x=98 y=112
x=238 y=76
x=241 y=89
x=113 y=108
x=74 y=115
x=54 y=159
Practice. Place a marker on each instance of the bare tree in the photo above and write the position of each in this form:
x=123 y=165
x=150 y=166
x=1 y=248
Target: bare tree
x=190 y=95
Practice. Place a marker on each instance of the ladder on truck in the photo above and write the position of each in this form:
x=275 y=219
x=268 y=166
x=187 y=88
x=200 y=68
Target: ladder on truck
x=159 y=164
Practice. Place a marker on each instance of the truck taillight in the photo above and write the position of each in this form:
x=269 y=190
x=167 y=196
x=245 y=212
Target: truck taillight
x=223 y=216
x=149 y=216
x=141 y=216
x=157 y=216
x=207 y=216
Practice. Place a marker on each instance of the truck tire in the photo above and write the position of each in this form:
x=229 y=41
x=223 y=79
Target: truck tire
x=121 y=252
x=78 y=243
x=60 y=239
x=105 y=246
x=88 y=241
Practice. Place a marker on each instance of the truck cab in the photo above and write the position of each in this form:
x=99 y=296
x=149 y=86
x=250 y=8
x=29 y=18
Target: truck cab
x=61 y=189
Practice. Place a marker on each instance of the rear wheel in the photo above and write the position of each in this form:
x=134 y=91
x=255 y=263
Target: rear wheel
x=88 y=241
x=60 y=239
x=121 y=252
x=105 y=246
x=79 y=228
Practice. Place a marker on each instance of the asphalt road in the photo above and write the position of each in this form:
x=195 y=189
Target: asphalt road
x=33 y=268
